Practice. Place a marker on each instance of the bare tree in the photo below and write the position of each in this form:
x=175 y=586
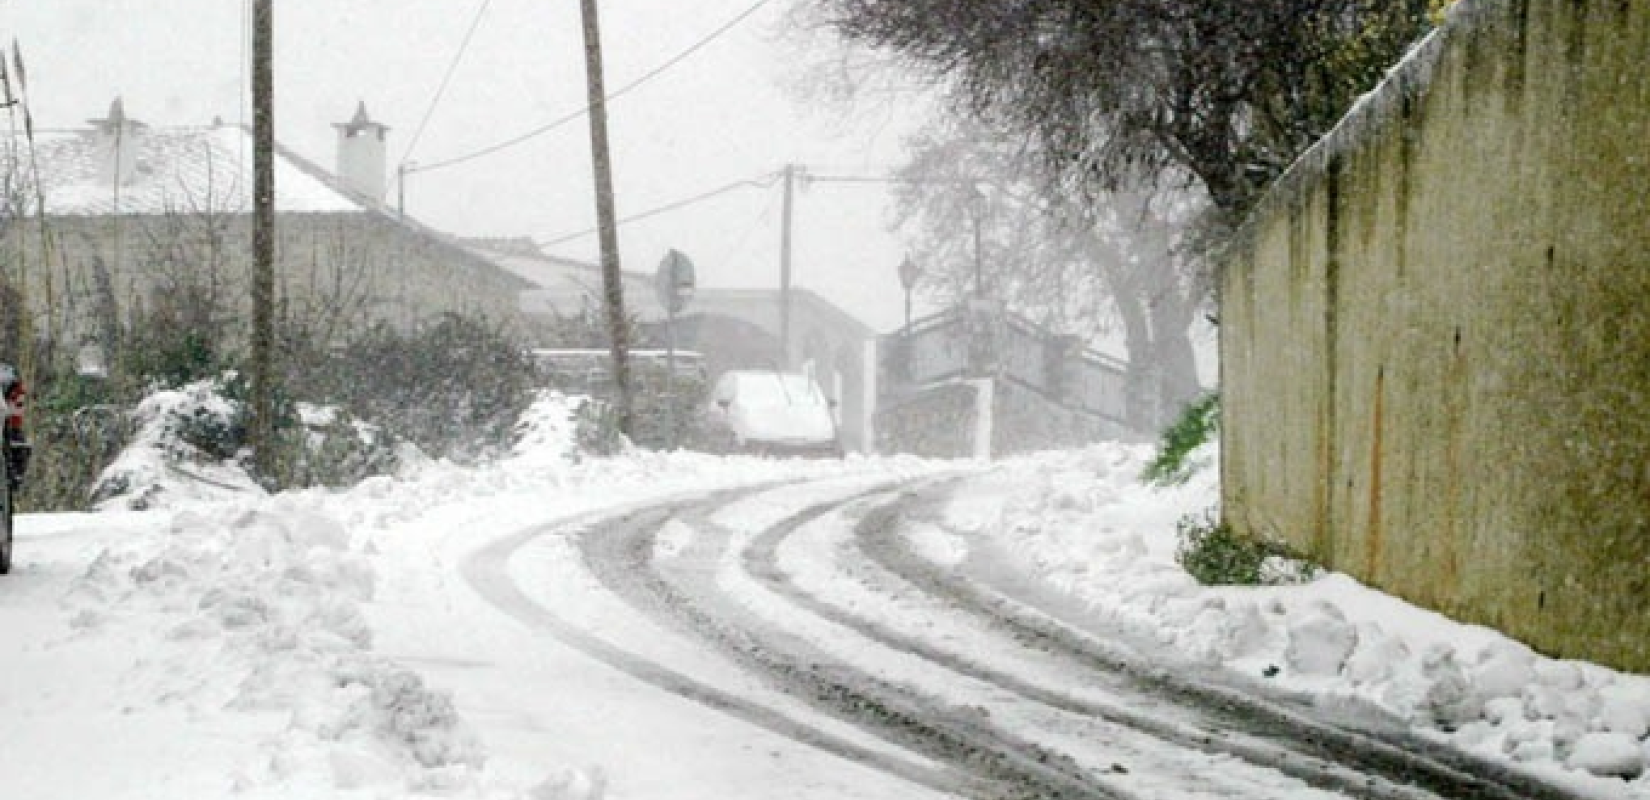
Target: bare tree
x=1118 y=92
x=1086 y=265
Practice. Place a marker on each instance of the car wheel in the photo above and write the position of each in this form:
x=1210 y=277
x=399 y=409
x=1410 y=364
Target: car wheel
x=5 y=525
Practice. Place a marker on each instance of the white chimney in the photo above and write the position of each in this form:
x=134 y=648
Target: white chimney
x=117 y=146
x=361 y=157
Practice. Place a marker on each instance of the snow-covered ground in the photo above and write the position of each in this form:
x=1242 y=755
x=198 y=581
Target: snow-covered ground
x=324 y=644
x=1089 y=527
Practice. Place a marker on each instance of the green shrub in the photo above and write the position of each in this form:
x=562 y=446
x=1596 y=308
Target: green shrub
x=1198 y=424
x=177 y=341
x=455 y=389
x=77 y=428
x=666 y=412
x=596 y=429
x=1215 y=555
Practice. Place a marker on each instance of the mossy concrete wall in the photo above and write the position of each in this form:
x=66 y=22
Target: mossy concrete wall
x=1436 y=333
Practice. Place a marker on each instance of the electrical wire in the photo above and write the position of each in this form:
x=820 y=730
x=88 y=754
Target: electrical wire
x=882 y=179
x=611 y=96
x=762 y=182
x=761 y=220
x=452 y=66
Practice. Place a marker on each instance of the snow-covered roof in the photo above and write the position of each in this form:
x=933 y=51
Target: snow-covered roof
x=565 y=287
x=179 y=169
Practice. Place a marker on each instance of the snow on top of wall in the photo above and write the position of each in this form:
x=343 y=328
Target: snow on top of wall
x=1406 y=81
x=178 y=169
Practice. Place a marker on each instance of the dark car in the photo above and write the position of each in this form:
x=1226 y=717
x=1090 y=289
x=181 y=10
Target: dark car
x=17 y=452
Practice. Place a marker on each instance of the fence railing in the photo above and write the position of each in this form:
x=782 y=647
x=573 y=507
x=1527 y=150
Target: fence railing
x=978 y=342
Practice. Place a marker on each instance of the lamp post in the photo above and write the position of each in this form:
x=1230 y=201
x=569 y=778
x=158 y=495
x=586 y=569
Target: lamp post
x=976 y=200
x=402 y=170
x=674 y=284
x=909 y=272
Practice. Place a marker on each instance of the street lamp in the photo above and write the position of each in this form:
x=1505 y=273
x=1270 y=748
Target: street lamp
x=402 y=170
x=976 y=200
x=909 y=272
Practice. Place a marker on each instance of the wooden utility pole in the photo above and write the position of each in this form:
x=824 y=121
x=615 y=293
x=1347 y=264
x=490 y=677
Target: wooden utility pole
x=618 y=330
x=785 y=269
x=262 y=429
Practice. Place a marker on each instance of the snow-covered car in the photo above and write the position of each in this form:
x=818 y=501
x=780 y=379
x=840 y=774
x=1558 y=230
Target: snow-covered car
x=17 y=452
x=772 y=413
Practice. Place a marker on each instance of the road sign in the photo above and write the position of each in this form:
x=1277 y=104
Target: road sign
x=674 y=282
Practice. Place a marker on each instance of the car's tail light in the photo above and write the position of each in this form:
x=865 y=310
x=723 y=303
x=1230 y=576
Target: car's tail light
x=15 y=395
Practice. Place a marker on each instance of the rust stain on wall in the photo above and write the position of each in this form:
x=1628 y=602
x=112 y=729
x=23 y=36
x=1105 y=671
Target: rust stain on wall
x=1514 y=489
x=1373 y=540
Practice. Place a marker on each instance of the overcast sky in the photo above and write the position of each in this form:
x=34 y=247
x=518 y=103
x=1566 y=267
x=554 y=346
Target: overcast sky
x=727 y=113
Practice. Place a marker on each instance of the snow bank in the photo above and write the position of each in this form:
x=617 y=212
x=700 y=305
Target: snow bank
x=238 y=605
x=1084 y=523
x=260 y=602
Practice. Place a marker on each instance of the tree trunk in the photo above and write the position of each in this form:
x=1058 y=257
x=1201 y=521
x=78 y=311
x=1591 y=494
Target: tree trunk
x=1157 y=315
x=1140 y=387
x=1176 y=362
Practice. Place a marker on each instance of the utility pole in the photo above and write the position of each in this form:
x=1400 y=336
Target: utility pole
x=785 y=269
x=262 y=433
x=608 y=234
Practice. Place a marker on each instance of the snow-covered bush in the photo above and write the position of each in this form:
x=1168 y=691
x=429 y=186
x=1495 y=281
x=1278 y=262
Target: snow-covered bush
x=200 y=430
x=337 y=449
x=596 y=428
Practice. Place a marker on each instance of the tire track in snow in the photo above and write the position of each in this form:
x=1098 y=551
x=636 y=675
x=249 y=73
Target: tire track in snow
x=1396 y=758
x=1001 y=765
x=619 y=549
x=487 y=572
x=761 y=560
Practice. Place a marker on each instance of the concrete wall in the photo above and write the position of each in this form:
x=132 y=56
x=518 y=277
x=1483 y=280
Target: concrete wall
x=944 y=421
x=1436 y=339
x=939 y=423
x=1024 y=421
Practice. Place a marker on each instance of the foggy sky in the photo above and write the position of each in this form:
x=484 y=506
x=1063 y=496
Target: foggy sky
x=723 y=115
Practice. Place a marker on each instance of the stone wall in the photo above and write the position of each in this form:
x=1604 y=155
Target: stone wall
x=1436 y=339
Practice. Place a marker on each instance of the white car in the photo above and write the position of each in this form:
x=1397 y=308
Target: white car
x=772 y=413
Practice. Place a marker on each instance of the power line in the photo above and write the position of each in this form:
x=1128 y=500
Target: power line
x=759 y=221
x=611 y=96
x=458 y=56
x=883 y=179
x=761 y=182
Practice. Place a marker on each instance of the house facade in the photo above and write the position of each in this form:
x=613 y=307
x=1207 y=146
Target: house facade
x=729 y=328
x=103 y=222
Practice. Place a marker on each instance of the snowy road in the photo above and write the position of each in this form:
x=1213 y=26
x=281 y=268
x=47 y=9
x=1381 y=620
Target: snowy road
x=688 y=627
x=839 y=615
